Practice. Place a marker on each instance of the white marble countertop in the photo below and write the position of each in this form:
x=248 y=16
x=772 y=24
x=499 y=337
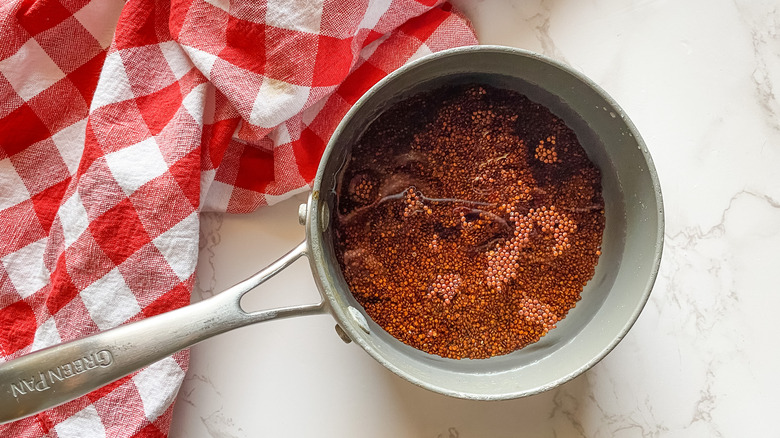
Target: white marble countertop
x=701 y=80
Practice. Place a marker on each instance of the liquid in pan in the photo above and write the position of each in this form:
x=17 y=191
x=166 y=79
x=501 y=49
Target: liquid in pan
x=468 y=220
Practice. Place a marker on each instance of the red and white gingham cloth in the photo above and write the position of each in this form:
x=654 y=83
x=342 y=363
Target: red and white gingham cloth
x=120 y=122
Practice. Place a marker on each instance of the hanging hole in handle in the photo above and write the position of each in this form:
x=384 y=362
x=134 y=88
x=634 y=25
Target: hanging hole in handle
x=293 y=286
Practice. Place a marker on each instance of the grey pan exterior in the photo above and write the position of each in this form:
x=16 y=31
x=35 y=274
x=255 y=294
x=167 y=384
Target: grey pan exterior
x=632 y=245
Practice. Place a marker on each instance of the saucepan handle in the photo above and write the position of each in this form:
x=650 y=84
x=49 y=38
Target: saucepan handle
x=58 y=374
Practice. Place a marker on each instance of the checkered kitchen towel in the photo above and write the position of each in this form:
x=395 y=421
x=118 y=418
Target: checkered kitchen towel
x=120 y=122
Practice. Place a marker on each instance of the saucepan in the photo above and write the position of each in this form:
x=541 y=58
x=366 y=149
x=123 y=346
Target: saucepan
x=611 y=301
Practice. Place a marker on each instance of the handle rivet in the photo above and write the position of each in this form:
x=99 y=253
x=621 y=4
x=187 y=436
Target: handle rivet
x=302 y=209
x=342 y=334
x=359 y=319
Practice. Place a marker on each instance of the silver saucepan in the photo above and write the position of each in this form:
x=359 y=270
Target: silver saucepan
x=611 y=301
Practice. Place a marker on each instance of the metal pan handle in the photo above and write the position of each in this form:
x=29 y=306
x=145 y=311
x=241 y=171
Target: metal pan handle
x=58 y=374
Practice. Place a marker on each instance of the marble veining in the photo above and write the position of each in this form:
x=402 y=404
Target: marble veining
x=205 y=282
x=764 y=25
x=200 y=393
